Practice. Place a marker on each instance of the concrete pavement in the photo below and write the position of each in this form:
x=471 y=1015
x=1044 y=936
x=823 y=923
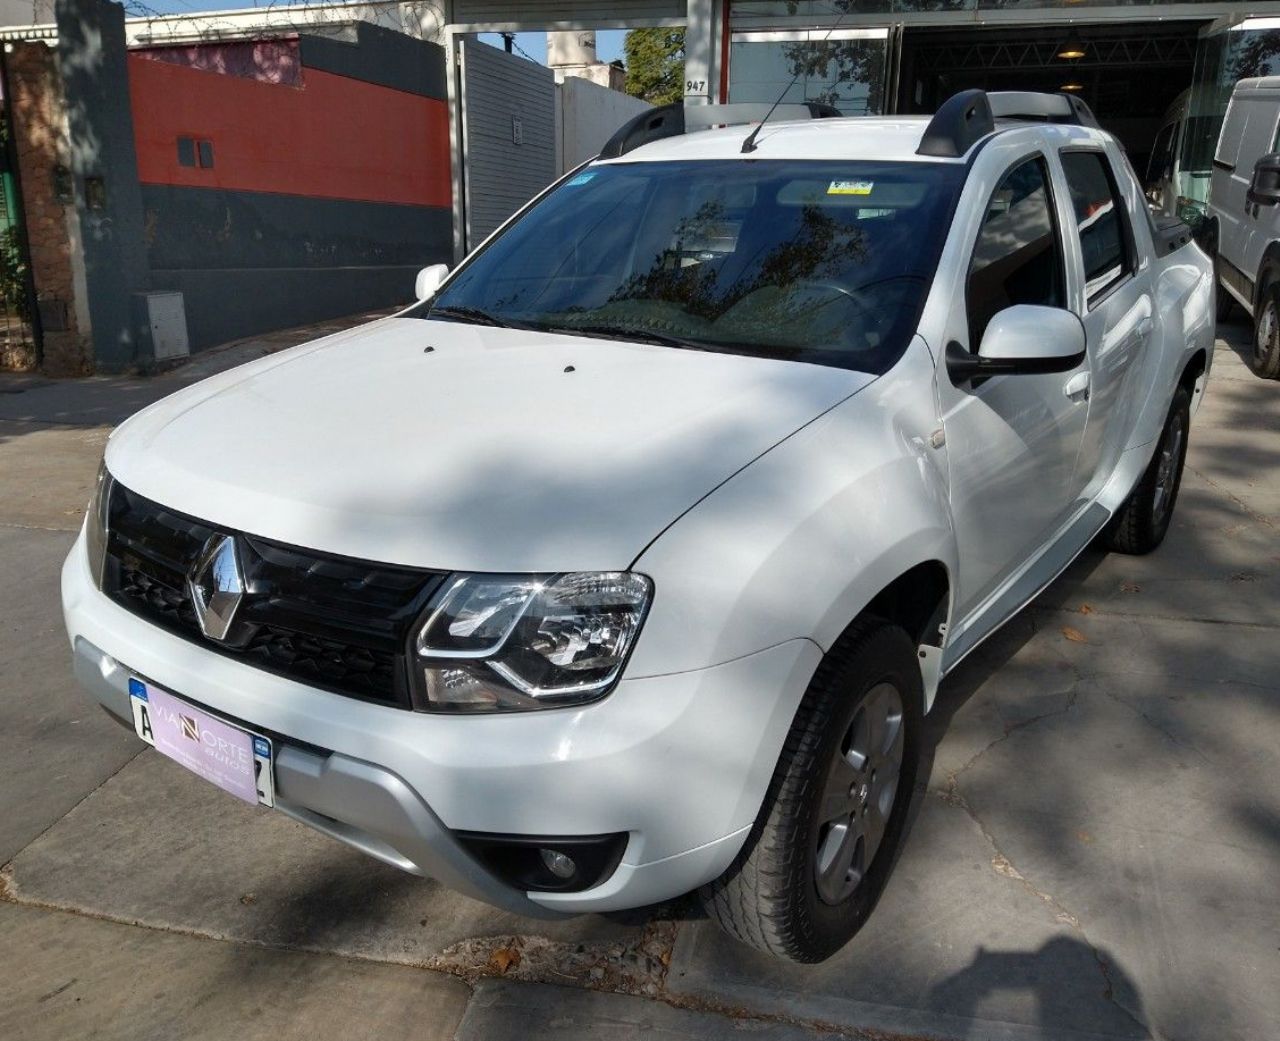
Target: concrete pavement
x=1096 y=853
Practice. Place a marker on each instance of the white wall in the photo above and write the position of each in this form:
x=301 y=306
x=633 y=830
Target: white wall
x=586 y=117
x=25 y=12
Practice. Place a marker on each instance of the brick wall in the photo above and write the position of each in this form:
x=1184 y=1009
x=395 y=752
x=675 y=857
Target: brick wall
x=39 y=132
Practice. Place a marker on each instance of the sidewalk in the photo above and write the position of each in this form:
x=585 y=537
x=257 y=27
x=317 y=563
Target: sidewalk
x=52 y=431
x=1096 y=853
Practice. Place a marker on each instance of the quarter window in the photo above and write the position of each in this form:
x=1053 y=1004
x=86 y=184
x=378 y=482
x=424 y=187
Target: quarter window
x=1017 y=258
x=1100 y=221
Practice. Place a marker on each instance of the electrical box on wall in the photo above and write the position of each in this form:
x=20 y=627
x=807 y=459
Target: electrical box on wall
x=162 y=318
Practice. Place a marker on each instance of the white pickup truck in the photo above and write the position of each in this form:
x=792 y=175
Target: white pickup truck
x=628 y=561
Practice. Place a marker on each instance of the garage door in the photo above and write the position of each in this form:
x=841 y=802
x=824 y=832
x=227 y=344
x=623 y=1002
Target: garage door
x=508 y=139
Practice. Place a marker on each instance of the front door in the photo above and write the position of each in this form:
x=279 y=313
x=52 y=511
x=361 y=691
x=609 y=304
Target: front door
x=1011 y=440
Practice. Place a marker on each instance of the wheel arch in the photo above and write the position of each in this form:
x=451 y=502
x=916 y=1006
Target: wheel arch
x=1268 y=272
x=918 y=601
x=1193 y=373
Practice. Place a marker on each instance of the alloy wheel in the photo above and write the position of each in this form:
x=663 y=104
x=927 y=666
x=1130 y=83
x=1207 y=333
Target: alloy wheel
x=1265 y=337
x=858 y=797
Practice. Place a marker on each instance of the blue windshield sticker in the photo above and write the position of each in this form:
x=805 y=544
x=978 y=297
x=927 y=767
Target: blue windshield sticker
x=581 y=178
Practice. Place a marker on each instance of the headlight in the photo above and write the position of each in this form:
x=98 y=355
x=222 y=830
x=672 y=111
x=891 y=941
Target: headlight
x=95 y=530
x=494 y=643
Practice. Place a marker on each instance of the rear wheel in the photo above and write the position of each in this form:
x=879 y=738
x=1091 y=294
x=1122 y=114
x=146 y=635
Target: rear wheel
x=1265 y=359
x=1142 y=522
x=826 y=838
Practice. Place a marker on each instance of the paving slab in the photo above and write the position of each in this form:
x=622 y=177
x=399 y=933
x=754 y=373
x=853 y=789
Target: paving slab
x=1101 y=821
x=958 y=947
x=159 y=846
x=63 y=976
x=56 y=746
x=534 y=1012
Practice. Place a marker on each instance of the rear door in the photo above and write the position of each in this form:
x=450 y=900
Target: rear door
x=1248 y=132
x=1258 y=226
x=1226 y=196
x=1111 y=252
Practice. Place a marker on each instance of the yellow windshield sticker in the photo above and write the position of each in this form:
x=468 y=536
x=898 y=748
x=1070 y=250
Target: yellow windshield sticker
x=850 y=187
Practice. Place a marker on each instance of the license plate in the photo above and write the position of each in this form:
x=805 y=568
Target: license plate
x=232 y=758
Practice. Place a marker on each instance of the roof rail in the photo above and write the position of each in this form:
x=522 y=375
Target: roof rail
x=965 y=118
x=677 y=119
x=1052 y=108
x=961 y=121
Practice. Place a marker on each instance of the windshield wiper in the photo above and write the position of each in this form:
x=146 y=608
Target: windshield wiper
x=473 y=315
x=619 y=332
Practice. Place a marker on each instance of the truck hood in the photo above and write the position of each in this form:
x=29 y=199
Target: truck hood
x=495 y=450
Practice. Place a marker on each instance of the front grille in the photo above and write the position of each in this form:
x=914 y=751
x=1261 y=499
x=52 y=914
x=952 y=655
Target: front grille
x=326 y=621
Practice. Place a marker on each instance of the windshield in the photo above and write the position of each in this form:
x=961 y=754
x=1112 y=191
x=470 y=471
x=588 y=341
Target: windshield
x=825 y=262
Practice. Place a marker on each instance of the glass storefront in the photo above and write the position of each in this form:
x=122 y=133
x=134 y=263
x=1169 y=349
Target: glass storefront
x=846 y=68
x=879 y=56
x=1227 y=54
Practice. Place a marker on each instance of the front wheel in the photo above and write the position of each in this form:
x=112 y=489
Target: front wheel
x=1265 y=360
x=822 y=847
x=1143 y=520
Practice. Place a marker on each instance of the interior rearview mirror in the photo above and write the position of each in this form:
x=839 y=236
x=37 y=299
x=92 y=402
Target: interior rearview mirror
x=1021 y=340
x=1264 y=188
x=429 y=279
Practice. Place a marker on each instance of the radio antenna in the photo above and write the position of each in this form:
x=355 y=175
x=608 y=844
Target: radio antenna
x=749 y=145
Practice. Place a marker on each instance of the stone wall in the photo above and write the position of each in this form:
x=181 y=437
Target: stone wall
x=39 y=130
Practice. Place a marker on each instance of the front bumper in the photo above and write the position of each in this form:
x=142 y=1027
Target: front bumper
x=679 y=762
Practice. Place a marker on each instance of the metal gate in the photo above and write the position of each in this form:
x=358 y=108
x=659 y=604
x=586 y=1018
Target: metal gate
x=508 y=135
x=19 y=322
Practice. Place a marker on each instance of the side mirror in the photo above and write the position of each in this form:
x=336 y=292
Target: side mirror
x=1021 y=340
x=429 y=279
x=1264 y=188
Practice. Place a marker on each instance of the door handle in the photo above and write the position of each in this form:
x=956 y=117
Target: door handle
x=1077 y=388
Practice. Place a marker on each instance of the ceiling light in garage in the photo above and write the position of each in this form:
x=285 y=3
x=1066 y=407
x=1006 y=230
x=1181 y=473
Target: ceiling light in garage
x=1072 y=48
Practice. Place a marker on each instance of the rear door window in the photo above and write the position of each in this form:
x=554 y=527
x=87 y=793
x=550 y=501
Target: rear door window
x=1101 y=222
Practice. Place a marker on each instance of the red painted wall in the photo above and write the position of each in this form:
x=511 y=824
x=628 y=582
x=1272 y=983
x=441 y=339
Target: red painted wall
x=334 y=137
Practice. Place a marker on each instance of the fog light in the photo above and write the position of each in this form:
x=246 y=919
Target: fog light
x=547 y=863
x=558 y=864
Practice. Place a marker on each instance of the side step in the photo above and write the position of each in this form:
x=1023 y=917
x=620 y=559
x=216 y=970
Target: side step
x=1026 y=585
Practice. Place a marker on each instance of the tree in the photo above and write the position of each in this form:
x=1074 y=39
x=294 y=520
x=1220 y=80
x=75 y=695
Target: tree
x=655 y=64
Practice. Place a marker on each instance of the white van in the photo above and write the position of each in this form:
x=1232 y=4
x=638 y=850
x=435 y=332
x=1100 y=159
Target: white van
x=1244 y=215
x=1164 y=168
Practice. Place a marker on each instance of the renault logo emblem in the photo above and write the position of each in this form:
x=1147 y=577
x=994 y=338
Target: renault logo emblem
x=216 y=586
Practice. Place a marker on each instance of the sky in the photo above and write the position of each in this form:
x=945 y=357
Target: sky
x=608 y=41
x=608 y=44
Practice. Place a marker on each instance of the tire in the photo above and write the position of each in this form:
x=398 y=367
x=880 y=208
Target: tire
x=774 y=897
x=1265 y=359
x=1225 y=305
x=1143 y=520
